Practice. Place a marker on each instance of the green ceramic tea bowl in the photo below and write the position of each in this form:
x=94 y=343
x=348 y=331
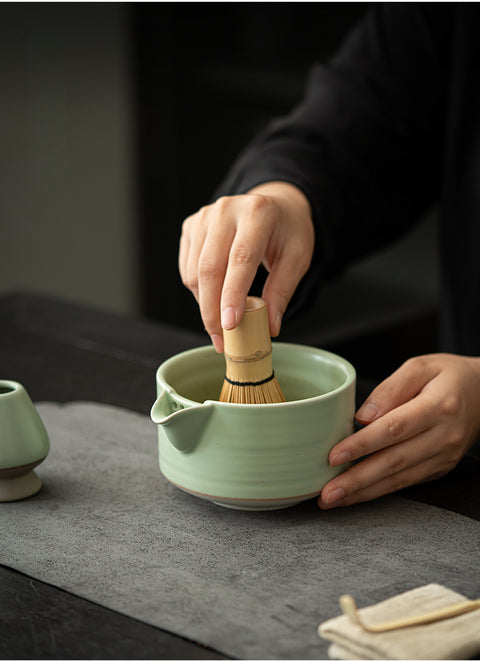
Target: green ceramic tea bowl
x=253 y=457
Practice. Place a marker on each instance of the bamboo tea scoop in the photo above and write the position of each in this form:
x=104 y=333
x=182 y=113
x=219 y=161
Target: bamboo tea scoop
x=349 y=608
x=249 y=377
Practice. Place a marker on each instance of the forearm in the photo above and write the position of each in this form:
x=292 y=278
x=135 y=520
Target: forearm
x=365 y=134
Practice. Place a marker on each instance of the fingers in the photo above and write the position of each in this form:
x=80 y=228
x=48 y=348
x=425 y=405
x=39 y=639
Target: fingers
x=253 y=232
x=184 y=249
x=388 y=470
x=337 y=498
x=414 y=441
x=403 y=385
x=223 y=244
x=283 y=279
x=194 y=230
x=203 y=255
x=396 y=426
x=212 y=266
x=399 y=448
x=221 y=247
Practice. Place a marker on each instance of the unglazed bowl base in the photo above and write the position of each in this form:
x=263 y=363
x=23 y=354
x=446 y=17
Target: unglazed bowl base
x=20 y=487
x=250 y=504
x=270 y=504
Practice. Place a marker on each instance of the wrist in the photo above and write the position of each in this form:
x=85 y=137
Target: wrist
x=290 y=193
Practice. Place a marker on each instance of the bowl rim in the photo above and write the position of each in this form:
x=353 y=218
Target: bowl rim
x=209 y=349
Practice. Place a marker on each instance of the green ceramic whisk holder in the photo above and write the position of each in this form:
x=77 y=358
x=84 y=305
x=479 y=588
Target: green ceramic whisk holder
x=24 y=443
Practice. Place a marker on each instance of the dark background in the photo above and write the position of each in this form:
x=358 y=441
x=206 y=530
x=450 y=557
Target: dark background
x=226 y=70
x=119 y=120
x=209 y=77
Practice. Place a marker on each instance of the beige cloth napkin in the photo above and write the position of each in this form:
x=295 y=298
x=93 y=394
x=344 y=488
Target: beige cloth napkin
x=456 y=638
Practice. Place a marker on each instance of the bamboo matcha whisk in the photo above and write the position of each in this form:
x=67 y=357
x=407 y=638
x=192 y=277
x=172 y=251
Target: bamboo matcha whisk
x=249 y=376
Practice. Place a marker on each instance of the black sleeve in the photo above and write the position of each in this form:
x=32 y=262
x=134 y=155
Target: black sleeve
x=364 y=144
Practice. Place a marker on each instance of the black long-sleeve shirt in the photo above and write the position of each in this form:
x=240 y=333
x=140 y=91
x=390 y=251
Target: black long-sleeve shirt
x=388 y=128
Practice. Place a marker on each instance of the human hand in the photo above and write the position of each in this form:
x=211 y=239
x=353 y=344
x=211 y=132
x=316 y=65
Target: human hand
x=418 y=425
x=223 y=244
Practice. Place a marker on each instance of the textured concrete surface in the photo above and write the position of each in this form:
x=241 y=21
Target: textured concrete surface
x=108 y=527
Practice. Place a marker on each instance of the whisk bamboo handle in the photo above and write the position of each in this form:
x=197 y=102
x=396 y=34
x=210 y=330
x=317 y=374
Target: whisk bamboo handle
x=249 y=377
x=248 y=348
x=349 y=608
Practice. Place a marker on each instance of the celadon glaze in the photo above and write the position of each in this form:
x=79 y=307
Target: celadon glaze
x=24 y=442
x=246 y=456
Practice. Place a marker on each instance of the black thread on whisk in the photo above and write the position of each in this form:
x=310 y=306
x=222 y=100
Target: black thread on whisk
x=263 y=381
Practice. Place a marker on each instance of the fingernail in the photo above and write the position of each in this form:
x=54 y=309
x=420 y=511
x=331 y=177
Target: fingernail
x=228 y=318
x=367 y=412
x=334 y=496
x=340 y=458
x=217 y=342
x=277 y=324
